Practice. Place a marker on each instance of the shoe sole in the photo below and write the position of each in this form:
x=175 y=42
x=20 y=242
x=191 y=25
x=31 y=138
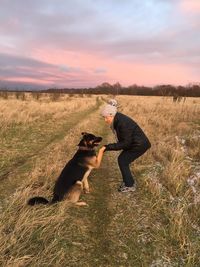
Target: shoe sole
x=126 y=191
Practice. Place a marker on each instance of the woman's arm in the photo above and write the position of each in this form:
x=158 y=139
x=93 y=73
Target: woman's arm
x=126 y=136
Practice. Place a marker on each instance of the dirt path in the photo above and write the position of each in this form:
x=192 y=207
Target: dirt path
x=100 y=215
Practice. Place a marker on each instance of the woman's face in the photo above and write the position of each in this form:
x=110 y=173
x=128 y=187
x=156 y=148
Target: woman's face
x=108 y=119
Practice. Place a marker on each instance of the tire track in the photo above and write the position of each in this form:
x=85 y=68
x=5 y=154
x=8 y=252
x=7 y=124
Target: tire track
x=99 y=213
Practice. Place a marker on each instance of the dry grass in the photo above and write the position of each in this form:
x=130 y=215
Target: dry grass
x=37 y=232
x=27 y=127
x=16 y=111
x=166 y=200
x=156 y=226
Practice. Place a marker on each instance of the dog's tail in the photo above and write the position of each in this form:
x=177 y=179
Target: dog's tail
x=37 y=200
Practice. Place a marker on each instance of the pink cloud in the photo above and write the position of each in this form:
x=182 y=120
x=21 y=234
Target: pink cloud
x=26 y=80
x=11 y=25
x=190 y=6
x=126 y=73
x=58 y=68
x=144 y=74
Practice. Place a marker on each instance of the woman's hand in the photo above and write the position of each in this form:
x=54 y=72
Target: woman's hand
x=102 y=149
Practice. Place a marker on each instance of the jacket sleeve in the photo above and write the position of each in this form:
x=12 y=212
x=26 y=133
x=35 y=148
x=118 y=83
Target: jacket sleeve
x=125 y=143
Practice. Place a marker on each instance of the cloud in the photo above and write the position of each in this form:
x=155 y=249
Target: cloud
x=7 y=60
x=100 y=70
x=68 y=69
x=192 y=6
x=53 y=40
x=18 y=69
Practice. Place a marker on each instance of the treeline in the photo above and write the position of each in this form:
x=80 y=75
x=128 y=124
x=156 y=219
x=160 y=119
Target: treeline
x=117 y=89
x=191 y=90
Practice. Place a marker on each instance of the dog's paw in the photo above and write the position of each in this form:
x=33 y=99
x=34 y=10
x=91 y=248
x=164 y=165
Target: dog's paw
x=86 y=191
x=81 y=203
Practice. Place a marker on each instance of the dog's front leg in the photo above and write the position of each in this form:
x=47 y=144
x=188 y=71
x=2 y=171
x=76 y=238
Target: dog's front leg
x=86 y=187
x=99 y=157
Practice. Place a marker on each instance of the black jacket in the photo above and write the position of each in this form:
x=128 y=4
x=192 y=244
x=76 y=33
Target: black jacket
x=130 y=136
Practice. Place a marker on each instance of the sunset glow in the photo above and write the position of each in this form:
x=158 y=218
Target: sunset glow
x=85 y=43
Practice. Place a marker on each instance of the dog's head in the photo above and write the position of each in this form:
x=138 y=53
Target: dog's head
x=90 y=140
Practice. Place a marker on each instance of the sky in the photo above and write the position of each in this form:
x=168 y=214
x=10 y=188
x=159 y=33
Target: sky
x=84 y=43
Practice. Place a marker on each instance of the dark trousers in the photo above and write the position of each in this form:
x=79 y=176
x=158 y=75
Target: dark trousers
x=124 y=160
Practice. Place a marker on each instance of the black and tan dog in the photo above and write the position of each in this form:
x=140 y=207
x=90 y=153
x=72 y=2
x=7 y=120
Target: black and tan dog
x=73 y=178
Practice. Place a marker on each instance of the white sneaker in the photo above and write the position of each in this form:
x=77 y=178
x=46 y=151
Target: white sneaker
x=126 y=189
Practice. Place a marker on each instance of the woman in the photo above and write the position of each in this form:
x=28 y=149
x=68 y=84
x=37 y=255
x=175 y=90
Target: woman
x=130 y=139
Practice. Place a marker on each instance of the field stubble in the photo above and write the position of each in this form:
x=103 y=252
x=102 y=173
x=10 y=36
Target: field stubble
x=156 y=226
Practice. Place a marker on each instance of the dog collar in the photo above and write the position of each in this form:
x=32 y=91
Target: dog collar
x=85 y=148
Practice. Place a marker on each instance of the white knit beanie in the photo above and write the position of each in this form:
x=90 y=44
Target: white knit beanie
x=113 y=102
x=108 y=110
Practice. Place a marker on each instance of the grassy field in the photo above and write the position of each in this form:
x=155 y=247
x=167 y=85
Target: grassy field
x=156 y=226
